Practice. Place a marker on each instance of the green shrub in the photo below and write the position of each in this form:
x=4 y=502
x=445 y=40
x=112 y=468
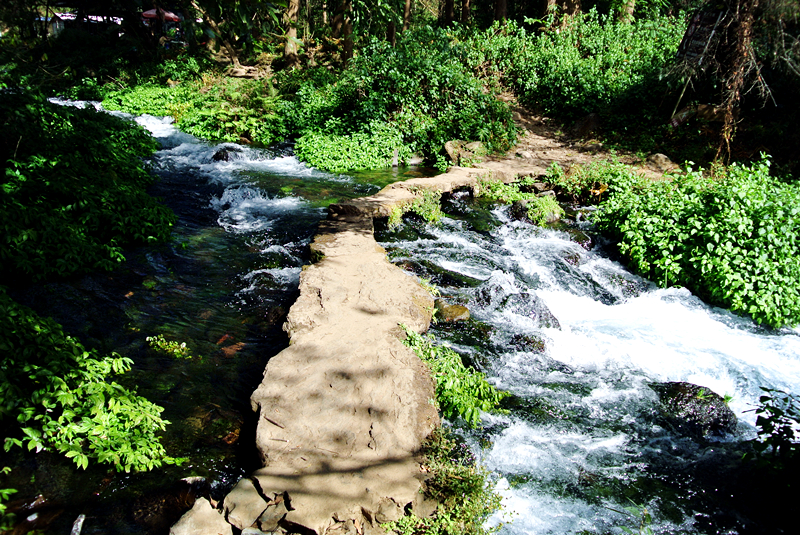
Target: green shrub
x=371 y=149
x=460 y=391
x=211 y=107
x=732 y=239
x=459 y=485
x=55 y=394
x=421 y=88
x=74 y=189
x=777 y=422
x=591 y=63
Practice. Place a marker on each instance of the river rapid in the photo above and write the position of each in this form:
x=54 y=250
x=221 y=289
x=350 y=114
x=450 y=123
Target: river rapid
x=577 y=340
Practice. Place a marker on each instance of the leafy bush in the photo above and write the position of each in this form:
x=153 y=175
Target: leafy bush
x=209 y=107
x=460 y=391
x=461 y=488
x=590 y=63
x=54 y=394
x=74 y=189
x=420 y=88
x=732 y=239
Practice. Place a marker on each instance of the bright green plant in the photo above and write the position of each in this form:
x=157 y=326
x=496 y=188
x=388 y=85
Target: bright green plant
x=540 y=210
x=421 y=89
x=732 y=239
x=426 y=204
x=461 y=487
x=57 y=395
x=460 y=391
x=73 y=189
x=6 y=520
x=583 y=64
x=169 y=347
x=777 y=422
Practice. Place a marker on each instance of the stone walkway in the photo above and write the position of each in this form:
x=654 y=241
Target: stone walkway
x=344 y=409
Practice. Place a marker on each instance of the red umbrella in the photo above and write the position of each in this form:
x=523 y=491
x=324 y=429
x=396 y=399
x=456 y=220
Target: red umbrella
x=151 y=14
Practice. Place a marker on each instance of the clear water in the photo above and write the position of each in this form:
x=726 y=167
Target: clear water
x=222 y=285
x=583 y=439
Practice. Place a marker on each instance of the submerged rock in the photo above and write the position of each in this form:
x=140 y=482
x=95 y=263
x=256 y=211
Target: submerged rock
x=224 y=154
x=528 y=304
x=450 y=313
x=694 y=410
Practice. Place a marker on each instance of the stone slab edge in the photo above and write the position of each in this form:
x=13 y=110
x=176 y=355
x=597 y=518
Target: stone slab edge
x=344 y=409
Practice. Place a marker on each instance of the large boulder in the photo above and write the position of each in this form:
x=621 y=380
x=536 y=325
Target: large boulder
x=693 y=410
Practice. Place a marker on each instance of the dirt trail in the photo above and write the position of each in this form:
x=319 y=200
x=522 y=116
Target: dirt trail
x=344 y=409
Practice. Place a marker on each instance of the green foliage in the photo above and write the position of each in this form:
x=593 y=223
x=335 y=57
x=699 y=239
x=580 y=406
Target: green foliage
x=73 y=189
x=590 y=184
x=371 y=149
x=169 y=347
x=6 y=520
x=732 y=239
x=426 y=204
x=210 y=107
x=540 y=209
x=777 y=423
x=462 y=489
x=55 y=394
x=460 y=391
x=420 y=88
x=583 y=64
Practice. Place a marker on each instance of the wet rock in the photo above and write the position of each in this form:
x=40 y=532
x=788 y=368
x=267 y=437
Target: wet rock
x=581 y=238
x=693 y=410
x=202 y=519
x=535 y=187
x=527 y=343
x=450 y=313
x=528 y=304
x=224 y=154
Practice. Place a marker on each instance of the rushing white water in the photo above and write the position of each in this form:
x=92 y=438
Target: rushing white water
x=585 y=433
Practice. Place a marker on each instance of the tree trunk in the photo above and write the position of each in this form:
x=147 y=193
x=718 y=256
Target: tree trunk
x=391 y=33
x=735 y=66
x=290 y=49
x=407 y=15
x=465 y=12
x=215 y=28
x=625 y=14
x=501 y=10
x=448 y=13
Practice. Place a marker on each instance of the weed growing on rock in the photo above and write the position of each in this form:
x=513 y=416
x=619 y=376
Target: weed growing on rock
x=426 y=204
x=459 y=485
x=539 y=210
x=460 y=391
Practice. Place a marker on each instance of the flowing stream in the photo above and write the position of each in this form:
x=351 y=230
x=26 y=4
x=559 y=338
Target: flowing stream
x=577 y=340
x=574 y=337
